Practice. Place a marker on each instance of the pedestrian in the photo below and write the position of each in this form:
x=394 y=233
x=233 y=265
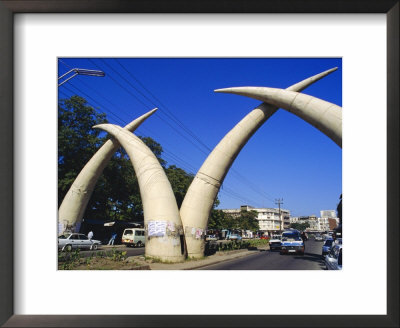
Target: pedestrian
x=90 y=235
x=112 y=239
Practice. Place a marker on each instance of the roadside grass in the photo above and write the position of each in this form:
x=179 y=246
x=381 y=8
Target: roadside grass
x=110 y=260
x=242 y=244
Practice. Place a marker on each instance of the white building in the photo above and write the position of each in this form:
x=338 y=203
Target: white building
x=323 y=224
x=316 y=224
x=268 y=218
x=326 y=220
x=328 y=214
x=313 y=223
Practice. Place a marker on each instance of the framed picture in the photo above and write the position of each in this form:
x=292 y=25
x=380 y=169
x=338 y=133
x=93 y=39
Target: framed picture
x=30 y=282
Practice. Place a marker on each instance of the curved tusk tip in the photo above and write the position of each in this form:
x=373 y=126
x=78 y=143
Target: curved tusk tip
x=237 y=90
x=224 y=90
x=99 y=126
x=332 y=69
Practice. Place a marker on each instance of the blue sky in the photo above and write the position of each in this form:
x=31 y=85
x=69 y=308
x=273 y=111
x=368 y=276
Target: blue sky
x=286 y=158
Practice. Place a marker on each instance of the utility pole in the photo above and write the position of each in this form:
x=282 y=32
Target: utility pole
x=279 y=202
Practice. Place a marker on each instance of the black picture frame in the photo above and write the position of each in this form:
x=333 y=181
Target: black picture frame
x=10 y=7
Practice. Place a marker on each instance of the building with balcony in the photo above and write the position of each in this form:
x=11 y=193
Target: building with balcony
x=323 y=224
x=269 y=220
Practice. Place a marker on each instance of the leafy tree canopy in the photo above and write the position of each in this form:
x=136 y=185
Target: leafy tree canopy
x=300 y=226
x=77 y=140
x=180 y=181
x=247 y=220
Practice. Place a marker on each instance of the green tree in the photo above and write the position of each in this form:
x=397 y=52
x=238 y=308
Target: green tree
x=77 y=140
x=300 y=226
x=180 y=181
x=248 y=220
x=219 y=220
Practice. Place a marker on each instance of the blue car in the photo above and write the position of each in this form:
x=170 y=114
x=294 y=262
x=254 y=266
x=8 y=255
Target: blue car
x=326 y=247
x=235 y=237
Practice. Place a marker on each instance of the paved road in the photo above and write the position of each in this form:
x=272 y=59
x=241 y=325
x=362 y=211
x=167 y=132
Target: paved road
x=130 y=251
x=272 y=260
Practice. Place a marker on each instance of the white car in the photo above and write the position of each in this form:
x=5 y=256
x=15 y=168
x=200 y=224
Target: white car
x=69 y=241
x=292 y=242
x=318 y=238
x=211 y=237
x=134 y=237
x=275 y=242
x=333 y=260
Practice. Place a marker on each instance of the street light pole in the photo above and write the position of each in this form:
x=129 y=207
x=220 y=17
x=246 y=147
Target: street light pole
x=80 y=71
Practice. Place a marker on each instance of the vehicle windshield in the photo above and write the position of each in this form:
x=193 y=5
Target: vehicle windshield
x=328 y=242
x=291 y=237
x=128 y=232
x=64 y=236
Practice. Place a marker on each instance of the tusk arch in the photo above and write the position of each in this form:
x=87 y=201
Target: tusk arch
x=200 y=197
x=323 y=115
x=159 y=204
x=75 y=201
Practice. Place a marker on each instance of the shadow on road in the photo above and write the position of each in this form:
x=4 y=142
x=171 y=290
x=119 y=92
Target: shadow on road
x=311 y=257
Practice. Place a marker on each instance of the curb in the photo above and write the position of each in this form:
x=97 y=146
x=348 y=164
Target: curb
x=222 y=261
x=216 y=260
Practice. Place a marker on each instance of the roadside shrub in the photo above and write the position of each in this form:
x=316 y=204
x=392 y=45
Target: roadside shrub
x=69 y=259
x=258 y=242
x=211 y=247
x=118 y=255
x=233 y=245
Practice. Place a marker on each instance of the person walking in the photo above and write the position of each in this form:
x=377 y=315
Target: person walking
x=112 y=239
x=90 y=235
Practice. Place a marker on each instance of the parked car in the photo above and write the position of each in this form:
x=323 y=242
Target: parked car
x=69 y=241
x=134 y=237
x=264 y=237
x=211 y=237
x=235 y=237
x=333 y=260
x=318 y=237
x=326 y=247
x=275 y=242
x=338 y=241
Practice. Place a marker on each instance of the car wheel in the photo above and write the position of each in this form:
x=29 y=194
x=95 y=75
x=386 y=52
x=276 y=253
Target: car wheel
x=93 y=247
x=67 y=248
x=139 y=244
